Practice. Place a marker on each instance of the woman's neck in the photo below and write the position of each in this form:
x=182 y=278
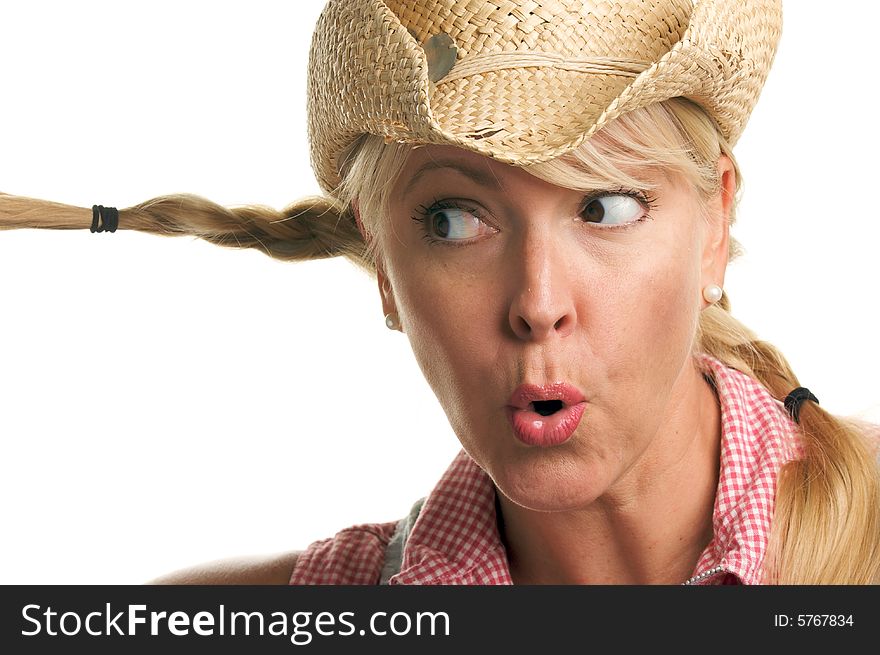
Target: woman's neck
x=636 y=533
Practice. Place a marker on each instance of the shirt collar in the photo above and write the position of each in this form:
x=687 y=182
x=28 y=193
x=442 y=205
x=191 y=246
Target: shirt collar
x=758 y=437
x=455 y=540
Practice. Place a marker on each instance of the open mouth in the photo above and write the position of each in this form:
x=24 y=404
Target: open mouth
x=545 y=414
x=546 y=407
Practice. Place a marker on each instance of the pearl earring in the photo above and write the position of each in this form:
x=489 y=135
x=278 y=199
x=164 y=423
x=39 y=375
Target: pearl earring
x=392 y=322
x=712 y=293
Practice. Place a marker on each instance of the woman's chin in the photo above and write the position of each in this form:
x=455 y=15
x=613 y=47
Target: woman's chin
x=546 y=486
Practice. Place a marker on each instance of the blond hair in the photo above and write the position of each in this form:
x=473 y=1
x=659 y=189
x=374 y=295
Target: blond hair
x=826 y=526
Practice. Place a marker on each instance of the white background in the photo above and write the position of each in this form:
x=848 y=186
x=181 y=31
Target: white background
x=165 y=402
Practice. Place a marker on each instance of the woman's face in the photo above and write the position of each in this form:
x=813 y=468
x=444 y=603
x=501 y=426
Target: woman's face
x=554 y=326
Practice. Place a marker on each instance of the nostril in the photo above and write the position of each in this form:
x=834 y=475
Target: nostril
x=541 y=324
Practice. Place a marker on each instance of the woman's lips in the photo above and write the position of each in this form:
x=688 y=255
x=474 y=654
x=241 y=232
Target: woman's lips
x=535 y=429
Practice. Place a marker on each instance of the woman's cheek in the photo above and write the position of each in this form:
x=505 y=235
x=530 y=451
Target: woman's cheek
x=433 y=319
x=668 y=316
x=648 y=320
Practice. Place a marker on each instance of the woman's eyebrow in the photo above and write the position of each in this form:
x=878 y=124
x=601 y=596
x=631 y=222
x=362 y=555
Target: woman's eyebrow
x=482 y=176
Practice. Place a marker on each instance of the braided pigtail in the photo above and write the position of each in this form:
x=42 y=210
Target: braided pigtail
x=826 y=526
x=312 y=228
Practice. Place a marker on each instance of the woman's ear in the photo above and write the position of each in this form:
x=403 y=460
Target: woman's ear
x=716 y=246
x=386 y=291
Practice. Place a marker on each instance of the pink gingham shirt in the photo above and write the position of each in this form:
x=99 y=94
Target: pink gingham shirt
x=455 y=539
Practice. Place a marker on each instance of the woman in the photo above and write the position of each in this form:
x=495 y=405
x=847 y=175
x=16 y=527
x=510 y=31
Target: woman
x=569 y=315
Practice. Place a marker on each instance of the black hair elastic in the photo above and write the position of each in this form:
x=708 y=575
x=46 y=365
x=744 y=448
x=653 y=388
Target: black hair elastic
x=795 y=399
x=104 y=219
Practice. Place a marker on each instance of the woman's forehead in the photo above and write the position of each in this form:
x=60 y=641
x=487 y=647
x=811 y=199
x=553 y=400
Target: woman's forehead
x=425 y=160
x=435 y=156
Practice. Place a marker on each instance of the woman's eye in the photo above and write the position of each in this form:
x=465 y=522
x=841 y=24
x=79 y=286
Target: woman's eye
x=454 y=224
x=613 y=209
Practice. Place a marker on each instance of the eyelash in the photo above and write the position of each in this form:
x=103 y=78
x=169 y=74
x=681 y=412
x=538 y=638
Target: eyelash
x=424 y=211
x=648 y=201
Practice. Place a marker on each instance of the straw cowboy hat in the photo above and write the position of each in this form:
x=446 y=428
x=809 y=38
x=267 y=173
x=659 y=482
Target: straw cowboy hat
x=525 y=81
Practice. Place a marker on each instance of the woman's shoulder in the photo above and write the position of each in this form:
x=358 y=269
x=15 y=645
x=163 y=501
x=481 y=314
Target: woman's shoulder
x=274 y=569
x=354 y=555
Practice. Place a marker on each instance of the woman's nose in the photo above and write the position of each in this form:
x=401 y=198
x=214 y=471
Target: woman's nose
x=542 y=303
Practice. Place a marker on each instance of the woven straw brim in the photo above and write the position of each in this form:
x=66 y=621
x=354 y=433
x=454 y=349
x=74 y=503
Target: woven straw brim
x=369 y=74
x=499 y=114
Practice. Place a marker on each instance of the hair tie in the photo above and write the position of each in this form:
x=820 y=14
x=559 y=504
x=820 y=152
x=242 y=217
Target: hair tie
x=795 y=399
x=104 y=219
